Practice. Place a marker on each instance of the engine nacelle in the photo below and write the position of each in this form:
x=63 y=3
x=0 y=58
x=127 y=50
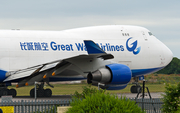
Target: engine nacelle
x=114 y=74
x=2 y=75
x=113 y=87
x=109 y=86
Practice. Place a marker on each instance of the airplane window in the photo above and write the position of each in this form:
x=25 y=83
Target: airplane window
x=125 y=34
x=150 y=34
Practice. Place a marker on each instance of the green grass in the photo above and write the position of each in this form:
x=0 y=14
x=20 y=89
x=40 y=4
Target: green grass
x=155 y=83
x=67 y=89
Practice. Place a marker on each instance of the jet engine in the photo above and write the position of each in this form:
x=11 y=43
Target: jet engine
x=112 y=76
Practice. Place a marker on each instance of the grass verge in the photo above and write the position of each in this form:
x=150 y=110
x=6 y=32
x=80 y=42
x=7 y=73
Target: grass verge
x=67 y=89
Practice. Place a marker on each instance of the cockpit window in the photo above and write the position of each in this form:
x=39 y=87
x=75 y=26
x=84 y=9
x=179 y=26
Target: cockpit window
x=150 y=34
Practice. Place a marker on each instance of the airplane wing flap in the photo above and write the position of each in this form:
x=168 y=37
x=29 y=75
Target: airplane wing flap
x=44 y=75
x=18 y=76
x=12 y=75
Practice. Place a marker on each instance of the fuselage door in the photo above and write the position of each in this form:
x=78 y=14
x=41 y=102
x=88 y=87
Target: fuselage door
x=145 y=37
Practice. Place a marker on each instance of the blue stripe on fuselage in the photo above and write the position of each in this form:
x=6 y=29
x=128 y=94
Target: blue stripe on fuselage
x=139 y=72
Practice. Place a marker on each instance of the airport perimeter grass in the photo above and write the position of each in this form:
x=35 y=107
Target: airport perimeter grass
x=68 y=89
x=155 y=83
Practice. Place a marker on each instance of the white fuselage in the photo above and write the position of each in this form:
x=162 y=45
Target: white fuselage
x=20 y=49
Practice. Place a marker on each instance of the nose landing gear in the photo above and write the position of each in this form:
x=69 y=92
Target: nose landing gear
x=136 y=88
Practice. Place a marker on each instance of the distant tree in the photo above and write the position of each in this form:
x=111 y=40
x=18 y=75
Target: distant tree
x=171 y=68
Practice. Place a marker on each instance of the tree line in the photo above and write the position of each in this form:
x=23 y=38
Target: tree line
x=172 y=68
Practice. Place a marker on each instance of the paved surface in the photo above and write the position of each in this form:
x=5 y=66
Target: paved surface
x=57 y=97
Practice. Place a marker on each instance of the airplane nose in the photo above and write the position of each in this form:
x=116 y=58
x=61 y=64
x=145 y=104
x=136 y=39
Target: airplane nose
x=168 y=55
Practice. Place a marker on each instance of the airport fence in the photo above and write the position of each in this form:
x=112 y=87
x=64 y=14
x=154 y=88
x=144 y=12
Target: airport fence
x=37 y=106
x=149 y=105
x=50 y=106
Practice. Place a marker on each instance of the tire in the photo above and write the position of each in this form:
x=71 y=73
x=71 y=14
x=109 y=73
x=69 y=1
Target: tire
x=48 y=93
x=40 y=93
x=4 y=92
x=133 y=89
x=12 y=92
x=136 y=89
x=32 y=92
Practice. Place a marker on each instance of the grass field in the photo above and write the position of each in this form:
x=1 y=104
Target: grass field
x=67 y=89
x=155 y=83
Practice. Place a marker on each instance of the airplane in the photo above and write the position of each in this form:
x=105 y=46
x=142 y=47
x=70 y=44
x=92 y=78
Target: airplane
x=110 y=55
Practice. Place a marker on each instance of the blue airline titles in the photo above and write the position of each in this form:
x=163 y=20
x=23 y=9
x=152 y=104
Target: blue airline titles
x=43 y=46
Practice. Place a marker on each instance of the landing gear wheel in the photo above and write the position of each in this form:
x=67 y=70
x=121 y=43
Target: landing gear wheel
x=48 y=93
x=4 y=92
x=12 y=92
x=32 y=92
x=40 y=92
x=136 y=89
x=133 y=89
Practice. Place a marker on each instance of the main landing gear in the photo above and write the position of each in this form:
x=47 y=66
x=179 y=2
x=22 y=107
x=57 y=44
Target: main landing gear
x=5 y=91
x=40 y=91
x=136 y=88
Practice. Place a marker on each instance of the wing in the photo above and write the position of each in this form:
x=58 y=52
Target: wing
x=72 y=66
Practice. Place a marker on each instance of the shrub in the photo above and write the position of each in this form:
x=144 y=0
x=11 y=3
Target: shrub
x=171 y=98
x=86 y=91
x=100 y=102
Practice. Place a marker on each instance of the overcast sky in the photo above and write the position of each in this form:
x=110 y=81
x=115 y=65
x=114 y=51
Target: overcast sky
x=161 y=17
